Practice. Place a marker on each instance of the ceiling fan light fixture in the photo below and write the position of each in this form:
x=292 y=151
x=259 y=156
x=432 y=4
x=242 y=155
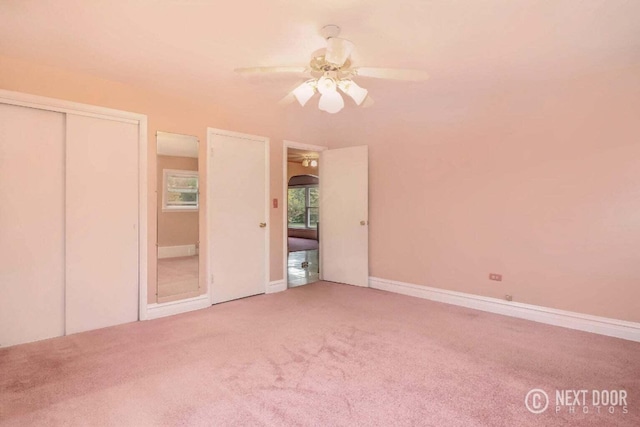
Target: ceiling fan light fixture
x=331 y=68
x=331 y=102
x=305 y=162
x=326 y=85
x=357 y=93
x=313 y=163
x=304 y=92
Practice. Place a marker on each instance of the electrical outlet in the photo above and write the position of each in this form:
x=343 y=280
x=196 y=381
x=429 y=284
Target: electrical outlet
x=508 y=297
x=495 y=276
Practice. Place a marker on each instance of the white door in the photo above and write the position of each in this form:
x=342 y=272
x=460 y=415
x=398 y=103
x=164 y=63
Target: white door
x=101 y=223
x=238 y=215
x=31 y=224
x=344 y=215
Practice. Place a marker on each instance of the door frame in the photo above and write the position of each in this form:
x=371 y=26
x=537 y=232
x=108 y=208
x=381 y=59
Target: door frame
x=285 y=186
x=267 y=195
x=71 y=107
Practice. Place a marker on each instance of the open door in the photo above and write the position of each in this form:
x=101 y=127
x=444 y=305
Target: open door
x=237 y=215
x=344 y=215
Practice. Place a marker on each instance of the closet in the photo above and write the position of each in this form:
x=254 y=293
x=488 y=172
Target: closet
x=69 y=221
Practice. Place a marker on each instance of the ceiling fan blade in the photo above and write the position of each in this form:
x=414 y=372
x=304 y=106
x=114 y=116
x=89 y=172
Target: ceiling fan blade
x=368 y=102
x=252 y=71
x=290 y=98
x=338 y=50
x=392 y=73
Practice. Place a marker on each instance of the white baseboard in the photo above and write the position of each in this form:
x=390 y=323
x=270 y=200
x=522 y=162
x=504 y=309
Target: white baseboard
x=567 y=319
x=155 y=311
x=276 y=286
x=176 y=251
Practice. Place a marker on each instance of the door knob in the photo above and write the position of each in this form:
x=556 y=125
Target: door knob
x=263 y=224
x=363 y=222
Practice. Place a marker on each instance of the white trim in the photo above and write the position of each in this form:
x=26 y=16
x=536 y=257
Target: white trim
x=267 y=202
x=207 y=213
x=303 y=146
x=143 y=236
x=223 y=132
x=286 y=144
x=551 y=316
x=177 y=251
x=277 y=286
x=155 y=311
x=70 y=107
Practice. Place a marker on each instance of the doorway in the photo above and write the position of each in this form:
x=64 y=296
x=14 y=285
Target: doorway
x=303 y=199
x=301 y=221
x=342 y=224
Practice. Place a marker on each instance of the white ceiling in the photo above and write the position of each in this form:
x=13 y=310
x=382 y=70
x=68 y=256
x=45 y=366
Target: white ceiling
x=190 y=47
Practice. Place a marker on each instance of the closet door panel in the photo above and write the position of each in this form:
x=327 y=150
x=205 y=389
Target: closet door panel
x=101 y=223
x=31 y=224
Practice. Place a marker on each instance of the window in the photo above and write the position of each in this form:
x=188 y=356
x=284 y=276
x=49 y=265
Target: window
x=302 y=206
x=180 y=190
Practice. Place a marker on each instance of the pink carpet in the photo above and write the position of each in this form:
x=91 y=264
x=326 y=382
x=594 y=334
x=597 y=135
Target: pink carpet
x=319 y=355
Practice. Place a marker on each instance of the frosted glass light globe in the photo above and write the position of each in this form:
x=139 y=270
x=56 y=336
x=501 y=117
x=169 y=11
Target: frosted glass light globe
x=331 y=102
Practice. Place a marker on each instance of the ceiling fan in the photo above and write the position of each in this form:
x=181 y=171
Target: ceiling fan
x=331 y=69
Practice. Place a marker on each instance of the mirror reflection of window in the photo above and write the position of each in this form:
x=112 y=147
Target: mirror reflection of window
x=178 y=217
x=180 y=190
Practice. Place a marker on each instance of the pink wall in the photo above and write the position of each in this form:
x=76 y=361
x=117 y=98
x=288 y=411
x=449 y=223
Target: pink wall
x=539 y=182
x=536 y=180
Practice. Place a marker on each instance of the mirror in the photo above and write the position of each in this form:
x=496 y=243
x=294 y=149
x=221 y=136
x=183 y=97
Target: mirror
x=178 y=216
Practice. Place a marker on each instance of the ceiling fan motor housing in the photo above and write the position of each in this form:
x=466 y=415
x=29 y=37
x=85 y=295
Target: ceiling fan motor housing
x=319 y=67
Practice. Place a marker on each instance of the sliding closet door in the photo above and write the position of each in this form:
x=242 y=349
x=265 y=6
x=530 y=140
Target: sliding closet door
x=101 y=223
x=31 y=224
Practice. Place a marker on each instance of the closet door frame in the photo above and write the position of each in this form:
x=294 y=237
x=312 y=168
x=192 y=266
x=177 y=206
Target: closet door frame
x=70 y=107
